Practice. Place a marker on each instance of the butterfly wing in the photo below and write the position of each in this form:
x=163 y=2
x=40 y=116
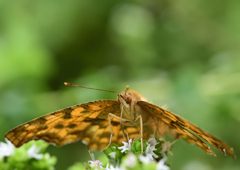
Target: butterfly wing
x=185 y=129
x=84 y=121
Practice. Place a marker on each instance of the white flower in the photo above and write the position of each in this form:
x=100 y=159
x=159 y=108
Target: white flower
x=145 y=159
x=161 y=165
x=6 y=149
x=152 y=142
x=150 y=148
x=130 y=161
x=33 y=152
x=95 y=164
x=166 y=146
x=127 y=146
x=112 y=155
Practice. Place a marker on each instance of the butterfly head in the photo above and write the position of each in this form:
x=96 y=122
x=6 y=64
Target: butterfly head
x=127 y=98
x=128 y=103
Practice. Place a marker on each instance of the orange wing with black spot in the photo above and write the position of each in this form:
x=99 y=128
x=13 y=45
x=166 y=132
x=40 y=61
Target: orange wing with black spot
x=185 y=129
x=87 y=121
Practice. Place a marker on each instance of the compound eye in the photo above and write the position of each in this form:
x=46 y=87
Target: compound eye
x=128 y=99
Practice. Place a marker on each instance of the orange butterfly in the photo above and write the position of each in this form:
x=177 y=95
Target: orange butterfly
x=101 y=122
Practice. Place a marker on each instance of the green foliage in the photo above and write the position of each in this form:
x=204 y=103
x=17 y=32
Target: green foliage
x=113 y=148
x=136 y=146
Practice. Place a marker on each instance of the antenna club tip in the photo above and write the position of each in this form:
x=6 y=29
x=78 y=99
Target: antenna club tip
x=127 y=87
x=66 y=83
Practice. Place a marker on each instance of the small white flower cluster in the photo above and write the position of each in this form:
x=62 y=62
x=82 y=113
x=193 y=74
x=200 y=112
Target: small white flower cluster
x=112 y=155
x=95 y=164
x=151 y=143
x=160 y=165
x=33 y=152
x=127 y=146
x=166 y=147
x=130 y=162
x=8 y=149
x=131 y=159
x=151 y=146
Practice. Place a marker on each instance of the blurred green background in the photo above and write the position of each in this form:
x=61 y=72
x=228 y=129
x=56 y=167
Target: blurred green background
x=185 y=54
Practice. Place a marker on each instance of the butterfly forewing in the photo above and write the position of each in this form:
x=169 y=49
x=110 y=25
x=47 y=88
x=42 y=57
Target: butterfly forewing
x=67 y=125
x=185 y=129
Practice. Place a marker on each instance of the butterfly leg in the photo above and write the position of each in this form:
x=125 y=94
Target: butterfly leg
x=124 y=138
x=141 y=130
x=110 y=126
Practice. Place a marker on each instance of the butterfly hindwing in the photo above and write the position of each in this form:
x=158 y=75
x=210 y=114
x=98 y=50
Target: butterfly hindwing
x=185 y=129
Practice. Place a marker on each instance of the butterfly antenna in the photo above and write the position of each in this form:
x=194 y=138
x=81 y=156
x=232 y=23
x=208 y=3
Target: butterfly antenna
x=68 y=84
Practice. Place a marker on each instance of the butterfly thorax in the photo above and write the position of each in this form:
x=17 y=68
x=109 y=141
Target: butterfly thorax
x=128 y=105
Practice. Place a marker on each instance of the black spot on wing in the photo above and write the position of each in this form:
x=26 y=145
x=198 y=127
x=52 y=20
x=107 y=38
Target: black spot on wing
x=85 y=111
x=85 y=106
x=72 y=125
x=43 y=127
x=76 y=132
x=40 y=120
x=59 y=126
x=67 y=114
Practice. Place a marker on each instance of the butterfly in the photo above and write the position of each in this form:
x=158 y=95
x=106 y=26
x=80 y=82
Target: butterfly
x=98 y=123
